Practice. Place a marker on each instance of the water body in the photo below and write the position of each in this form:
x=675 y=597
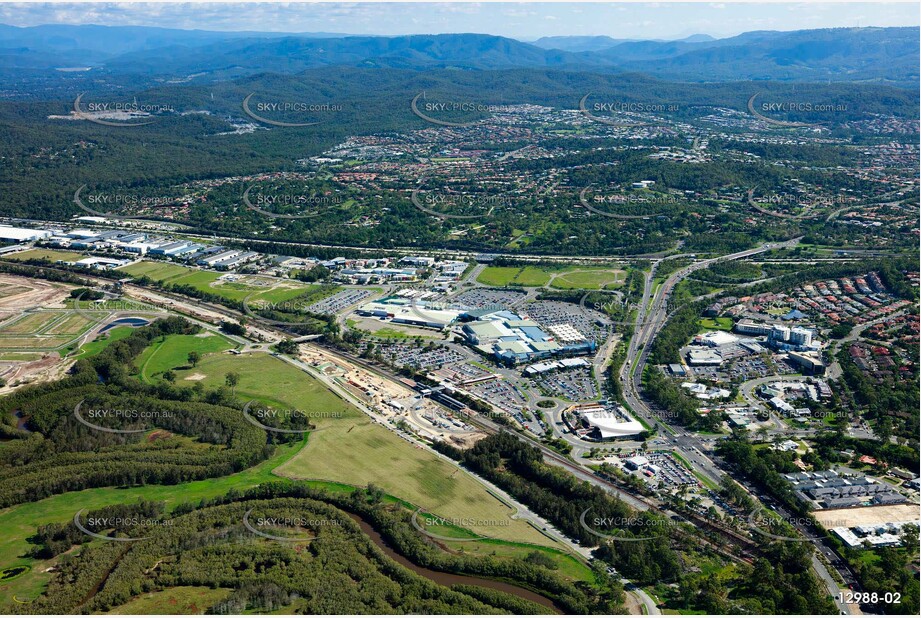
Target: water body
x=451 y=579
x=132 y=322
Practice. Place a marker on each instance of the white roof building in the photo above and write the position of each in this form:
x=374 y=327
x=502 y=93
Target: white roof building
x=611 y=426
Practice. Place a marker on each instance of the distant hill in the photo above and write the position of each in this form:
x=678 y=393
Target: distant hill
x=880 y=55
x=579 y=43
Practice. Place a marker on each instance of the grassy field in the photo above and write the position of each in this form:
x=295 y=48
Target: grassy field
x=349 y=448
x=500 y=276
x=261 y=288
x=179 y=600
x=71 y=325
x=158 y=271
x=589 y=279
x=572 y=278
x=173 y=351
x=44 y=254
x=98 y=344
x=716 y=324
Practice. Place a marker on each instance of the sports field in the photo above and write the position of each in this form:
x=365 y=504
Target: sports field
x=571 y=278
x=500 y=276
x=228 y=285
x=589 y=279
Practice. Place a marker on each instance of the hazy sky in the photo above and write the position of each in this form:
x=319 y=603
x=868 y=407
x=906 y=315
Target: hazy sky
x=518 y=20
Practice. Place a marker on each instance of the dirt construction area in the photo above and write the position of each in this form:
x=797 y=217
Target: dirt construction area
x=867 y=515
x=17 y=294
x=392 y=400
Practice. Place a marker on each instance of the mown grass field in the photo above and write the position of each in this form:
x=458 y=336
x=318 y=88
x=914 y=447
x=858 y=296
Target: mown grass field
x=715 y=324
x=257 y=288
x=173 y=352
x=98 y=344
x=564 y=278
x=589 y=279
x=500 y=276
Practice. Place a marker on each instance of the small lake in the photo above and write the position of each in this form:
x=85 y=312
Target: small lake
x=132 y=322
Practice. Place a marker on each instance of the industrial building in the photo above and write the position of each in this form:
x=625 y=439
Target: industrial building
x=22 y=234
x=828 y=490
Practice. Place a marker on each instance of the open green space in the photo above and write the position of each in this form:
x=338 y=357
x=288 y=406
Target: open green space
x=501 y=276
x=349 y=448
x=233 y=287
x=715 y=324
x=100 y=343
x=158 y=271
x=589 y=279
x=173 y=351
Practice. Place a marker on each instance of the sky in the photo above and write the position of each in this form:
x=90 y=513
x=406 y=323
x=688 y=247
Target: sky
x=524 y=21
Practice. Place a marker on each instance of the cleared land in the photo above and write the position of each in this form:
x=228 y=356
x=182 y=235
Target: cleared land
x=30 y=323
x=866 y=515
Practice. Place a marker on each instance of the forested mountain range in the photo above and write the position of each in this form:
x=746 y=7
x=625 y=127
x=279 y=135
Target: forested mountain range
x=880 y=55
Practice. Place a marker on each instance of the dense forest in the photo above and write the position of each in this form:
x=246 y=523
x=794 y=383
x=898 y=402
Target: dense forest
x=74 y=436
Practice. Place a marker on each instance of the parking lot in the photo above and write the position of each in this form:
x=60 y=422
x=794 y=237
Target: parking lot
x=401 y=354
x=591 y=324
x=483 y=298
x=573 y=384
x=339 y=301
x=746 y=369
